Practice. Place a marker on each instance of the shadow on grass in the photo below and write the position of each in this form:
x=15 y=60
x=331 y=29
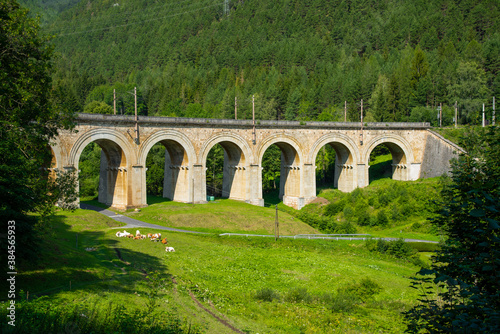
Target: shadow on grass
x=152 y=199
x=382 y=170
x=95 y=202
x=76 y=256
x=271 y=198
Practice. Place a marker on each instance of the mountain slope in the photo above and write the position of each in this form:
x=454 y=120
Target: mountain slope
x=301 y=59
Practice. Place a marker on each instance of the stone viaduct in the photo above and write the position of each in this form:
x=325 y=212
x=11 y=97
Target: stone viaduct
x=416 y=152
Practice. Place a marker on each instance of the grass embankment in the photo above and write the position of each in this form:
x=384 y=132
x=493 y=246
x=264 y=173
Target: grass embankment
x=312 y=284
x=220 y=216
x=453 y=134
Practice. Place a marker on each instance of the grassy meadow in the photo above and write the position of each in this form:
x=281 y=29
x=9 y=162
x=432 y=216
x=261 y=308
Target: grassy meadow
x=220 y=216
x=88 y=280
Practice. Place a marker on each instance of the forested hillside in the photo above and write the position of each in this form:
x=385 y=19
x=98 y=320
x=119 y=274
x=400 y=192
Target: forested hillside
x=301 y=59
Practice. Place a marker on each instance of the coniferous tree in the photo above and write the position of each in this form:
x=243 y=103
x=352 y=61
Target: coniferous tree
x=461 y=290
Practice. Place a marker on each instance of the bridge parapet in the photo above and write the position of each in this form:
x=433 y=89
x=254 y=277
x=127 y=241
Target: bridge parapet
x=215 y=122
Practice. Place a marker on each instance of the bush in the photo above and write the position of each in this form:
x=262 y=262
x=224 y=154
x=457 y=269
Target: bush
x=348 y=212
x=424 y=246
x=382 y=219
x=324 y=224
x=344 y=301
x=297 y=295
x=267 y=295
x=363 y=217
x=345 y=228
x=334 y=208
x=396 y=214
x=398 y=248
x=365 y=289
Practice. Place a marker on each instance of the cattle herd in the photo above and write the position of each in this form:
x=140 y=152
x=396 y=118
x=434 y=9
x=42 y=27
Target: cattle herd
x=150 y=236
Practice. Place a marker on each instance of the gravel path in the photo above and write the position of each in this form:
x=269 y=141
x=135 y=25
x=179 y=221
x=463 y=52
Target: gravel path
x=131 y=223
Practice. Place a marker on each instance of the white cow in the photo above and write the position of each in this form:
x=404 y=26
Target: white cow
x=169 y=249
x=122 y=234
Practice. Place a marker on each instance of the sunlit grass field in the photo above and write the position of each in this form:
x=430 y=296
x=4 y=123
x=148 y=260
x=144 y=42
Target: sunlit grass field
x=220 y=216
x=225 y=274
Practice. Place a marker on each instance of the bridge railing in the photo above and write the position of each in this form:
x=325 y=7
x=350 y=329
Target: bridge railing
x=212 y=122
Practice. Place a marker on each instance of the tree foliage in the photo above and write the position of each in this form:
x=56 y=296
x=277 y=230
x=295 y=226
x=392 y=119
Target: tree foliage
x=301 y=59
x=461 y=291
x=28 y=122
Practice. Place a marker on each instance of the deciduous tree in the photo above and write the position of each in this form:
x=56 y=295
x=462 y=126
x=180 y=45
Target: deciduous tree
x=28 y=122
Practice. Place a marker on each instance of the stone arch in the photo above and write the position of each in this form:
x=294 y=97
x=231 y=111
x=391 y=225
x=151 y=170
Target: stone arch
x=180 y=156
x=292 y=169
x=401 y=151
x=281 y=138
x=115 y=139
x=237 y=159
x=346 y=160
x=170 y=135
x=235 y=139
x=115 y=164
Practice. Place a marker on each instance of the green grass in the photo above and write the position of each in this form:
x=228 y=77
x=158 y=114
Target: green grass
x=63 y=249
x=220 y=216
x=224 y=273
x=453 y=134
x=380 y=168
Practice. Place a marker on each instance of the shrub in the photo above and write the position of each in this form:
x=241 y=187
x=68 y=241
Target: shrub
x=365 y=289
x=416 y=226
x=348 y=212
x=398 y=248
x=396 y=214
x=324 y=224
x=382 y=219
x=267 y=295
x=357 y=195
x=424 y=246
x=344 y=301
x=363 y=217
x=297 y=295
x=345 y=228
x=334 y=208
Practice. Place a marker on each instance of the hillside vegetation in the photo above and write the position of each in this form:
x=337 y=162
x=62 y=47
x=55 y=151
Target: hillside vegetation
x=104 y=283
x=386 y=208
x=301 y=59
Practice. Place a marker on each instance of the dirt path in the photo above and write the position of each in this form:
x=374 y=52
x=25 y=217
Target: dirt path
x=222 y=321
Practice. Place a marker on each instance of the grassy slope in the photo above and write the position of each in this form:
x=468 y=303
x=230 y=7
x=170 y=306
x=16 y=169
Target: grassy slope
x=224 y=273
x=412 y=226
x=415 y=226
x=219 y=217
x=63 y=249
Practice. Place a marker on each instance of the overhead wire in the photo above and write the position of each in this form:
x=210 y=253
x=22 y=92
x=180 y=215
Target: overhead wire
x=114 y=23
x=136 y=22
x=108 y=16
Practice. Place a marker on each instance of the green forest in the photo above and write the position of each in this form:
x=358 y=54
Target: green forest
x=302 y=60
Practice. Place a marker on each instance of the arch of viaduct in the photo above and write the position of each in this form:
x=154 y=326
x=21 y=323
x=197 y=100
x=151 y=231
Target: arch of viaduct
x=417 y=152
